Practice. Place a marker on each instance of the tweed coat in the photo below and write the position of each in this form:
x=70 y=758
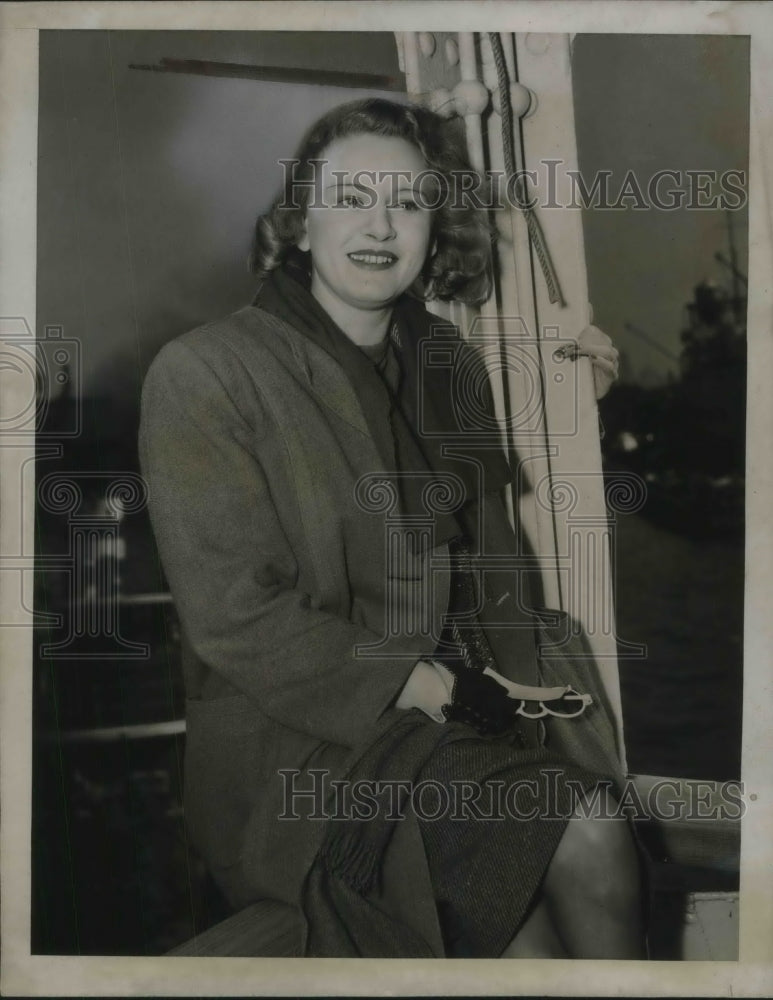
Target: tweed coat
x=252 y=442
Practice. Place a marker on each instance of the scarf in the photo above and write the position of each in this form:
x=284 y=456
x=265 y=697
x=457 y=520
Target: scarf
x=407 y=401
x=342 y=897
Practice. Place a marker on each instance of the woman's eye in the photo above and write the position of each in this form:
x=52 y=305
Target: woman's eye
x=409 y=205
x=350 y=201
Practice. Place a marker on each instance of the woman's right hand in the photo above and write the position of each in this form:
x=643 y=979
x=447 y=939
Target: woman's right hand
x=429 y=687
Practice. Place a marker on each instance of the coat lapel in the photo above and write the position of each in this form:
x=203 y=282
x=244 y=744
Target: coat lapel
x=333 y=389
x=324 y=375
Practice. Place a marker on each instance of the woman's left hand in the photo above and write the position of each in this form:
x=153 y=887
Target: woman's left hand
x=604 y=357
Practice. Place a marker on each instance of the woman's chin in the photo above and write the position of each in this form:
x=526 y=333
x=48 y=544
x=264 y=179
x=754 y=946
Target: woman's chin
x=372 y=303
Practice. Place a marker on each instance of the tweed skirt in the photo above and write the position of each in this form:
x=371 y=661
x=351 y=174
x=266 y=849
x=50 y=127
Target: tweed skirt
x=491 y=816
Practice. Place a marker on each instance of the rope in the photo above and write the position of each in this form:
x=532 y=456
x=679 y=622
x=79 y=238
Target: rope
x=536 y=235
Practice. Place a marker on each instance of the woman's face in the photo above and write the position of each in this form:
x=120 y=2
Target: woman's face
x=368 y=234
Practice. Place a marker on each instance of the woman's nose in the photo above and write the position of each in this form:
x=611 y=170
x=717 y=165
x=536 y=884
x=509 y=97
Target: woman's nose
x=379 y=224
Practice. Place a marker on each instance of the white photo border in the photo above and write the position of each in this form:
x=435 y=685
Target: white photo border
x=34 y=975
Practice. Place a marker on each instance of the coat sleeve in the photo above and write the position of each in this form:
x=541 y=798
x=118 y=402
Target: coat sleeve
x=231 y=569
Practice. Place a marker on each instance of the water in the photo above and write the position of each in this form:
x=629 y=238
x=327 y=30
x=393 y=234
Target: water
x=683 y=597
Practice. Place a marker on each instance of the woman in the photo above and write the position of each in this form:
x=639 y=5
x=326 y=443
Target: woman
x=291 y=452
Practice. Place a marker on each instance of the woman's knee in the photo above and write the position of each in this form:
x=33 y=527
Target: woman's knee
x=596 y=859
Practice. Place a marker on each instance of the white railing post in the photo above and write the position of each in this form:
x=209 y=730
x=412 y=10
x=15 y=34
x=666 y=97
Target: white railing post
x=571 y=416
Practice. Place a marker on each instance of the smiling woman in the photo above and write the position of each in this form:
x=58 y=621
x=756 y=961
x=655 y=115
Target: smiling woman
x=348 y=631
x=367 y=246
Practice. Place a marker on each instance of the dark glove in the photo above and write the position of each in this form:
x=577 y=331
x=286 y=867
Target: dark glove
x=481 y=702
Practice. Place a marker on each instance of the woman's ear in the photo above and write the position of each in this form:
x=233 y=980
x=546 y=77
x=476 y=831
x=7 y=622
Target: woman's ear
x=303 y=239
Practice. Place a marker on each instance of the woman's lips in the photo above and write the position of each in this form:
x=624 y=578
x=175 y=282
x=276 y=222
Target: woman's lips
x=372 y=260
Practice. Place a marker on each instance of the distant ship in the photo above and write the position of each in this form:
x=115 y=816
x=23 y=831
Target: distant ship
x=686 y=439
